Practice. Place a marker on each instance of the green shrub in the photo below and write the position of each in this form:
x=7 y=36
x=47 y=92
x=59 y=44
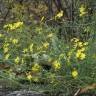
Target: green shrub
x=34 y=56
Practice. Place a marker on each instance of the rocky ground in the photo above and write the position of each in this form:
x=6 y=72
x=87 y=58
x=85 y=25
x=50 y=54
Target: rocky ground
x=6 y=91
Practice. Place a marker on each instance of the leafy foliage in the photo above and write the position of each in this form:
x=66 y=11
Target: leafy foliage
x=53 y=53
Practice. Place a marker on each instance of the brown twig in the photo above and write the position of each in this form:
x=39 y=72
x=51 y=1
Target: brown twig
x=85 y=89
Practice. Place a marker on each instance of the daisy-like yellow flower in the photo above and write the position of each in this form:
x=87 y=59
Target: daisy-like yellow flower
x=70 y=53
x=17 y=60
x=6 y=49
x=82 y=10
x=29 y=77
x=15 y=41
x=36 y=67
x=7 y=56
x=45 y=45
x=56 y=65
x=80 y=44
x=6 y=44
x=74 y=73
x=80 y=55
x=8 y=26
x=75 y=40
x=25 y=50
x=59 y=15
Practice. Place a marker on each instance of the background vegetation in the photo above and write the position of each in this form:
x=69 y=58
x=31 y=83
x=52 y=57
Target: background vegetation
x=48 y=45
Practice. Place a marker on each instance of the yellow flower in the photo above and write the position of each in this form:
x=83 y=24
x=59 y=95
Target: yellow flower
x=6 y=49
x=17 y=59
x=56 y=65
x=45 y=45
x=15 y=41
x=13 y=26
x=31 y=48
x=74 y=73
x=50 y=35
x=7 y=26
x=36 y=67
x=6 y=44
x=1 y=35
x=82 y=10
x=7 y=56
x=70 y=53
x=59 y=15
x=25 y=50
x=80 y=55
x=75 y=40
x=80 y=44
x=18 y=24
x=29 y=77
